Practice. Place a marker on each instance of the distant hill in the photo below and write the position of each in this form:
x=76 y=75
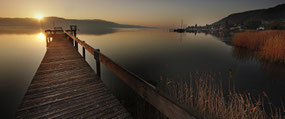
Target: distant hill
x=276 y=13
x=86 y=25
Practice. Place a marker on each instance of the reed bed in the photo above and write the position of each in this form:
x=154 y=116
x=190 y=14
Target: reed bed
x=206 y=98
x=270 y=45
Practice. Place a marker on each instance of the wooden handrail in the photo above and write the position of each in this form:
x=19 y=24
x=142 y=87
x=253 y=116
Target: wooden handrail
x=146 y=90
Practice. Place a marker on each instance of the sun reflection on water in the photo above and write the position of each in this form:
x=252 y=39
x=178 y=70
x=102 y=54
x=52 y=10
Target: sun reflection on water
x=41 y=36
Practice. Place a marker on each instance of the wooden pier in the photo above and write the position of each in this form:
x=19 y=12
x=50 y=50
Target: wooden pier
x=65 y=86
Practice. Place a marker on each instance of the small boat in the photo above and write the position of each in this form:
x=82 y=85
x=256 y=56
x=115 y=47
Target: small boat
x=179 y=30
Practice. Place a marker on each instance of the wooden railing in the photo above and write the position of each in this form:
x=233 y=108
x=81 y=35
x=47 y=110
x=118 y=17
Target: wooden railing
x=144 y=89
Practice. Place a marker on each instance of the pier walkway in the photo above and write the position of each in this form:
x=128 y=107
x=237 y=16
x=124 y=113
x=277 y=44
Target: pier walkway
x=65 y=86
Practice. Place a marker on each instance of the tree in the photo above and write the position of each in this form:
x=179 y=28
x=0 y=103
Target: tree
x=276 y=25
x=253 y=24
x=228 y=25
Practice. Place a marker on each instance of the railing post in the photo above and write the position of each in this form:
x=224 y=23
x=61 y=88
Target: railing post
x=46 y=41
x=73 y=41
x=83 y=51
x=98 y=67
x=76 y=45
x=74 y=32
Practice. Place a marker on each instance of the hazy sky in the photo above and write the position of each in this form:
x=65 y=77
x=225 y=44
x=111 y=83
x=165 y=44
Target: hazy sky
x=159 y=13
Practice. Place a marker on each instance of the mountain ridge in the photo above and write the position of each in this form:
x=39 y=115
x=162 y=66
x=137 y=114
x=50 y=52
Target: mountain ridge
x=58 y=21
x=85 y=26
x=264 y=15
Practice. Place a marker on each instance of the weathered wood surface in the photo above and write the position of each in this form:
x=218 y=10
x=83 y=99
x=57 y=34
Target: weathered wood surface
x=65 y=86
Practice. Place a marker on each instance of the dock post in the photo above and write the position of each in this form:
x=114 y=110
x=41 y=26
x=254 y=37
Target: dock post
x=96 y=56
x=83 y=51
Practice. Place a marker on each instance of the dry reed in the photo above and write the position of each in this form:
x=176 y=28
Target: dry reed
x=270 y=45
x=206 y=98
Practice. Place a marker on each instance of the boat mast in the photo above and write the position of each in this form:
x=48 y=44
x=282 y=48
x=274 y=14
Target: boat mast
x=181 y=23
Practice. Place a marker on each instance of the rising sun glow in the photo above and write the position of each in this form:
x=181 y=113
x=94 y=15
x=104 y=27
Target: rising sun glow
x=41 y=36
x=39 y=17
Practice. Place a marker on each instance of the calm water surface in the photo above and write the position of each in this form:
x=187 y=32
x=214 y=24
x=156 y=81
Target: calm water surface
x=148 y=53
x=154 y=53
x=20 y=56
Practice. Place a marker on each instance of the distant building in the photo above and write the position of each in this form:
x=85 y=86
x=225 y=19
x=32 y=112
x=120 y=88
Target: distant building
x=260 y=28
x=236 y=27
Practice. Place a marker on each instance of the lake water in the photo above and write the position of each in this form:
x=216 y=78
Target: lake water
x=20 y=56
x=148 y=53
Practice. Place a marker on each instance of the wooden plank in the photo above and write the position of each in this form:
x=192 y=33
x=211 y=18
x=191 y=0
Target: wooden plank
x=66 y=86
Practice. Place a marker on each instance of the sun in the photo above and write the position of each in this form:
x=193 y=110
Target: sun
x=39 y=17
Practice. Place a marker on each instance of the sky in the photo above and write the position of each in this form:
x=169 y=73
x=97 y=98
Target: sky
x=157 y=13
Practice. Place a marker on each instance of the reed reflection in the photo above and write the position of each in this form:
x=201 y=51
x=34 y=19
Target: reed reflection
x=275 y=71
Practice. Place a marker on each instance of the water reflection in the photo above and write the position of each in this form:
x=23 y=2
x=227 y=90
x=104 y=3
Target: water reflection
x=270 y=80
x=20 y=55
x=97 y=31
x=41 y=36
x=224 y=36
x=154 y=53
x=19 y=30
x=243 y=54
x=274 y=71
